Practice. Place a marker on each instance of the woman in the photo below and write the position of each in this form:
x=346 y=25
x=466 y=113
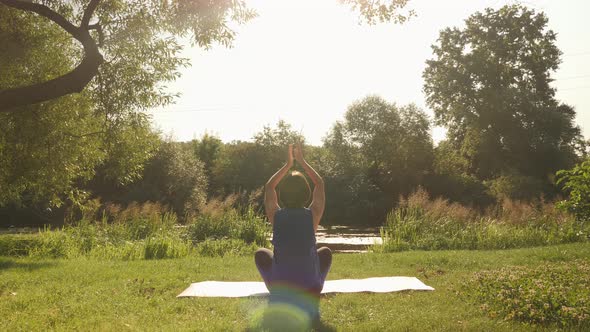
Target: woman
x=295 y=268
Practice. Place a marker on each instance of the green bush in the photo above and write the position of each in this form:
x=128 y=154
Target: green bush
x=144 y=231
x=162 y=247
x=421 y=223
x=206 y=227
x=252 y=228
x=552 y=294
x=515 y=186
x=17 y=244
x=57 y=244
x=577 y=182
x=232 y=224
x=235 y=247
x=173 y=176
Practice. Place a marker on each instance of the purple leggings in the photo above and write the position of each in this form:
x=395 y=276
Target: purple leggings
x=263 y=259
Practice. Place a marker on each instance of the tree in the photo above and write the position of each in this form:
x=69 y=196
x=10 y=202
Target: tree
x=246 y=166
x=98 y=24
x=53 y=140
x=489 y=85
x=51 y=149
x=279 y=137
x=394 y=141
x=207 y=150
x=174 y=177
x=42 y=151
x=379 y=152
x=141 y=26
x=451 y=180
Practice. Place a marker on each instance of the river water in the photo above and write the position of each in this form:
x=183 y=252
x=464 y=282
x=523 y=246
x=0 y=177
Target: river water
x=347 y=239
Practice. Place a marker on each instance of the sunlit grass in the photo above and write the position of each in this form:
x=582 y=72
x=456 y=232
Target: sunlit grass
x=145 y=231
x=98 y=294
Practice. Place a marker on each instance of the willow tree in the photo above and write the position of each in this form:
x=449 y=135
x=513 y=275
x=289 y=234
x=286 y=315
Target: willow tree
x=77 y=75
x=106 y=29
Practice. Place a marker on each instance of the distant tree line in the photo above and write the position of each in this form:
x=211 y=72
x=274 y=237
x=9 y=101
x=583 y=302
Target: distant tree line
x=488 y=83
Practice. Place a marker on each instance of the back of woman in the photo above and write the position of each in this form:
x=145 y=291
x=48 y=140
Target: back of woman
x=295 y=256
x=294 y=272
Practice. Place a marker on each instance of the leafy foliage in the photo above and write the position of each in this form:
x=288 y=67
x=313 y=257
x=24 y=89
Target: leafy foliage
x=556 y=293
x=173 y=177
x=382 y=10
x=422 y=223
x=489 y=84
x=46 y=149
x=379 y=152
x=208 y=150
x=143 y=231
x=246 y=166
x=577 y=182
x=51 y=149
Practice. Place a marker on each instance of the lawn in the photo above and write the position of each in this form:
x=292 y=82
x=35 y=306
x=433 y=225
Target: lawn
x=92 y=294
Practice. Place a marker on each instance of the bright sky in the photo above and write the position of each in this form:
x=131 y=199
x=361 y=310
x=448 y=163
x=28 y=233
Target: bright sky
x=305 y=61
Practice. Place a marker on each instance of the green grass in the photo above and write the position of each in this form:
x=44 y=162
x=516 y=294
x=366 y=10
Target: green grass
x=419 y=223
x=145 y=232
x=95 y=294
x=557 y=293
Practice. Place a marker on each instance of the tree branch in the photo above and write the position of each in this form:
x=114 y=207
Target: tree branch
x=84 y=135
x=43 y=11
x=88 y=13
x=74 y=81
x=98 y=29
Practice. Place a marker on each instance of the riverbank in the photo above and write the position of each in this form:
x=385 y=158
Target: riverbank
x=96 y=294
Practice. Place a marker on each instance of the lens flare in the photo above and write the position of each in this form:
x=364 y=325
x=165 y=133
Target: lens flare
x=289 y=309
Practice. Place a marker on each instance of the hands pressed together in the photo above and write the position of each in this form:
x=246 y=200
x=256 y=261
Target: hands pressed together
x=295 y=153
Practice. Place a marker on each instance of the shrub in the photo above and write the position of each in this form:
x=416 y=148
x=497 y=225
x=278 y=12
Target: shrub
x=515 y=187
x=17 y=244
x=162 y=247
x=145 y=231
x=232 y=247
x=577 y=182
x=53 y=245
x=552 y=294
x=422 y=223
x=175 y=177
x=223 y=222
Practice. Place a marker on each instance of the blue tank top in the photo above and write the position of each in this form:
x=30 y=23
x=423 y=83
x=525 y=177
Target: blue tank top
x=295 y=266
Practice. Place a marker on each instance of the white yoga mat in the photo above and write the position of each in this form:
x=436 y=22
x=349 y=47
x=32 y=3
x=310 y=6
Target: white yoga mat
x=257 y=288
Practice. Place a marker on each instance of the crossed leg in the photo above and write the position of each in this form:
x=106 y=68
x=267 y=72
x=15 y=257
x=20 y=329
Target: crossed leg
x=325 y=256
x=263 y=259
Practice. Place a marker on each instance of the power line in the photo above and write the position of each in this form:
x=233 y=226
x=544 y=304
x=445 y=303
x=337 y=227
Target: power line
x=575 y=88
x=195 y=110
x=578 y=54
x=571 y=77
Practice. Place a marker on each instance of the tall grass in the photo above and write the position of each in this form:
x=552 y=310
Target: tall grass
x=145 y=231
x=422 y=223
x=220 y=219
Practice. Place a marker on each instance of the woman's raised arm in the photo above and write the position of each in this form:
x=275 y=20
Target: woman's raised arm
x=271 y=204
x=319 y=197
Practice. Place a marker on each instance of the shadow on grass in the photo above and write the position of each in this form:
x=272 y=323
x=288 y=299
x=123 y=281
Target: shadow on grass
x=7 y=263
x=323 y=327
x=316 y=327
x=285 y=317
